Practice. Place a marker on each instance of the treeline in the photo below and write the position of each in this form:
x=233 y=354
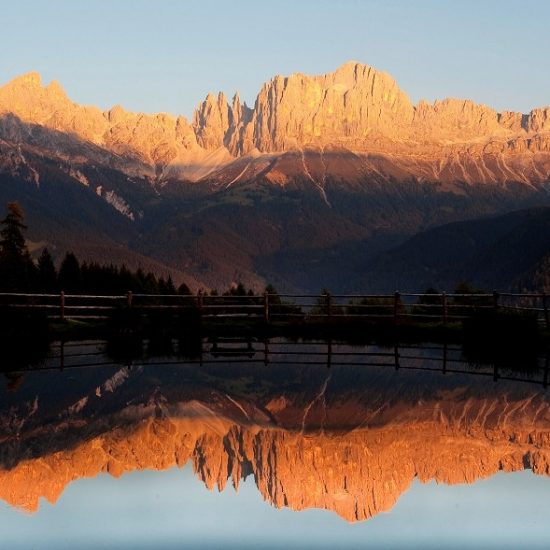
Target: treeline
x=20 y=273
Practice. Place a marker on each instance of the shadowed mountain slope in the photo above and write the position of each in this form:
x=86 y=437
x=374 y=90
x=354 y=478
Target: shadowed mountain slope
x=502 y=252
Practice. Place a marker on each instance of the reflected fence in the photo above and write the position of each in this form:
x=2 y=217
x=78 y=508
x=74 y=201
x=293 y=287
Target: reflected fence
x=272 y=352
x=396 y=307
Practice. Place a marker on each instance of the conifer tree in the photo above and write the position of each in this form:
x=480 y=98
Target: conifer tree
x=184 y=290
x=47 y=274
x=12 y=241
x=17 y=270
x=170 y=288
x=70 y=277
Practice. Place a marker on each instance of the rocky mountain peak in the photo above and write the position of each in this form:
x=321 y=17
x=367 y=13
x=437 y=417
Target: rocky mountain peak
x=28 y=88
x=115 y=114
x=26 y=97
x=236 y=105
x=211 y=121
x=341 y=107
x=31 y=79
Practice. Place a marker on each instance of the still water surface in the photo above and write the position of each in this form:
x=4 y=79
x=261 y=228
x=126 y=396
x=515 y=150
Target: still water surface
x=329 y=445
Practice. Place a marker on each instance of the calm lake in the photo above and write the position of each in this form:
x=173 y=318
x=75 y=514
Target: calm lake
x=270 y=444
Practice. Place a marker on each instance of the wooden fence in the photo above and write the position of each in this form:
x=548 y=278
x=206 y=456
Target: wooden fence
x=396 y=307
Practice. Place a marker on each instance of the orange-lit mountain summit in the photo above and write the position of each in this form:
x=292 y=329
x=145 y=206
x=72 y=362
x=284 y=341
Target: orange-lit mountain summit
x=340 y=125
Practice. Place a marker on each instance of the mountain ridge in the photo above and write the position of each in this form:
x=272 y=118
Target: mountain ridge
x=354 y=109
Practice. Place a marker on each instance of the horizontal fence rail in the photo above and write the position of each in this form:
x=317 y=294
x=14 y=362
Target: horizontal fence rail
x=269 y=307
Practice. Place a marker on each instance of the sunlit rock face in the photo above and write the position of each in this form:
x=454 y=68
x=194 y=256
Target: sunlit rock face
x=140 y=144
x=346 y=107
x=352 y=124
x=349 y=443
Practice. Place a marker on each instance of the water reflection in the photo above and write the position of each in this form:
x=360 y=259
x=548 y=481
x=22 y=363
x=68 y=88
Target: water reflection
x=316 y=424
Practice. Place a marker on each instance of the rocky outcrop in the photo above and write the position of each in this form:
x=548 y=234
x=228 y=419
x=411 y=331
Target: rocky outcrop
x=217 y=124
x=348 y=107
x=211 y=121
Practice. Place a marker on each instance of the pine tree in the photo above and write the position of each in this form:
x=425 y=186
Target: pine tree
x=12 y=241
x=47 y=274
x=70 y=278
x=184 y=290
x=17 y=270
x=162 y=288
x=170 y=288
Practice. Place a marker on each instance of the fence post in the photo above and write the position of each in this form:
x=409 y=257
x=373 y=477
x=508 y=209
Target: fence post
x=266 y=306
x=444 y=307
x=62 y=306
x=199 y=303
x=396 y=297
x=328 y=299
x=545 y=306
x=129 y=297
x=495 y=300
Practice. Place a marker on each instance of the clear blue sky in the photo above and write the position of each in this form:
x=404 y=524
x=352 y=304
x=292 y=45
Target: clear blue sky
x=166 y=55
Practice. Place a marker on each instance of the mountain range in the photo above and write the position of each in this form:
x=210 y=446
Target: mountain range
x=303 y=189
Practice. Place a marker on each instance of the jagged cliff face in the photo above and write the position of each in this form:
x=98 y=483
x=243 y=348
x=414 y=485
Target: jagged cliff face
x=137 y=143
x=353 y=452
x=344 y=126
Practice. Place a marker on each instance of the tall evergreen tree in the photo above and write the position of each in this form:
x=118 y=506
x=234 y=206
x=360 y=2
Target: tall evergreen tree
x=17 y=271
x=166 y=286
x=47 y=274
x=184 y=290
x=12 y=241
x=70 y=278
x=170 y=288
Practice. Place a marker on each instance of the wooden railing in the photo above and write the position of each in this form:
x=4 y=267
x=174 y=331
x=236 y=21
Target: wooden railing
x=395 y=307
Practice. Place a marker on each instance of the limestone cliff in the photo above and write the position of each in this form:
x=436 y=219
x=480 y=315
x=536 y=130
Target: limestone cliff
x=348 y=107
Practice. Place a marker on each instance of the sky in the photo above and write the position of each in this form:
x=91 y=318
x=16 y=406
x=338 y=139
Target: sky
x=165 y=56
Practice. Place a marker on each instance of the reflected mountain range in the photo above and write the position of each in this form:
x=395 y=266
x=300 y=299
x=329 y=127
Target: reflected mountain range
x=317 y=424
